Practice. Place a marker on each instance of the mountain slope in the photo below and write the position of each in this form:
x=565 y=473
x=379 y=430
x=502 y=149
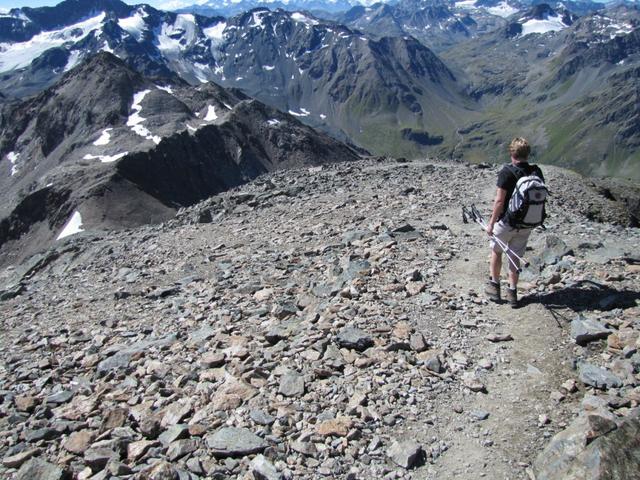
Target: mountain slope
x=110 y=144
x=574 y=90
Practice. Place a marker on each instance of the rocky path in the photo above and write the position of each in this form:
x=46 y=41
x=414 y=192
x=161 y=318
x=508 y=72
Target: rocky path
x=322 y=323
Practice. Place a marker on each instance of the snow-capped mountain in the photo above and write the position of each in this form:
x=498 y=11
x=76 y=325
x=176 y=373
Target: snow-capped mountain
x=541 y=19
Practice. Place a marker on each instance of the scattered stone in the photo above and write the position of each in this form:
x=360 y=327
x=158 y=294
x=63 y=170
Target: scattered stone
x=292 y=385
x=585 y=330
x=136 y=450
x=234 y=442
x=212 y=360
x=592 y=447
x=499 y=337
x=354 y=338
x=175 y=413
x=263 y=469
x=14 y=461
x=472 y=382
x=162 y=470
x=25 y=403
x=479 y=415
x=79 y=442
x=418 y=343
x=338 y=427
x=406 y=454
x=261 y=418
x=97 y=458
x=597 y=377
x=37 y=469
x=180 y=448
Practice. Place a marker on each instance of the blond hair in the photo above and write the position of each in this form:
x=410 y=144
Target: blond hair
x=519 y=148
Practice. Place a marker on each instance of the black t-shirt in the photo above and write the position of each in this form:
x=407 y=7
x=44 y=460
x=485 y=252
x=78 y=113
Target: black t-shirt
x=509 y=176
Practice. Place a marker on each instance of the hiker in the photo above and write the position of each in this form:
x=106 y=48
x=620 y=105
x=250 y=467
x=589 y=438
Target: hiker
x=513 y=220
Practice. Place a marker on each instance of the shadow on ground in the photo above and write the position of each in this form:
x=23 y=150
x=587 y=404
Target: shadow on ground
x=585 y=295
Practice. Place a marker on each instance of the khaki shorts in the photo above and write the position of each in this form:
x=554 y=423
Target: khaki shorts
x=516 y=238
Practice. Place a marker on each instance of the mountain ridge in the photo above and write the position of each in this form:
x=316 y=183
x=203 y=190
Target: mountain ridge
x=146 y=150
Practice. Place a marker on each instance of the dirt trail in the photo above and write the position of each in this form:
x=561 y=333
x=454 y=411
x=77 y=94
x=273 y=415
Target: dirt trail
x=518 y=385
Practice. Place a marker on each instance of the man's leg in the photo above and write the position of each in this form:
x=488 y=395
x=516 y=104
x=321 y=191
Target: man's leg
x=513 y=273
x=492 y=290
x=495 y=266
x=518 y=245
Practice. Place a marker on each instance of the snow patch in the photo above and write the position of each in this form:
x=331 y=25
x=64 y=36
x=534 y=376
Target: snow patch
x=72 y=61
x=179 y=36
x=552 y=24
x=302 y=113
x=216 y=32
x=135 y=25
x=166 y=88
x=104 y=138
x=273 y=122
x=135 y=119
x=466 y=5
x=211 y=114
x=105 y=158
x=268 y=68
x=21 y=54
x=13 y=158
x=503 y=10
x=73 y=226
x=257 y=20
x=300 y=17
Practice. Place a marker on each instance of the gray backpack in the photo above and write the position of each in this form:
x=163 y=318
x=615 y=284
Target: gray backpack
x=527 y=204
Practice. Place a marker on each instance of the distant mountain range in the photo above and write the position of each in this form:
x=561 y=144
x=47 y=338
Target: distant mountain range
x=415 y=77
x=384 y=94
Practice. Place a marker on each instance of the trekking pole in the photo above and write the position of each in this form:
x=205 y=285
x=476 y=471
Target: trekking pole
x=478 y=217
x=475 y=215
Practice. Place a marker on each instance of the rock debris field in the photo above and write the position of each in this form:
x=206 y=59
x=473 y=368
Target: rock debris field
x=327 y=323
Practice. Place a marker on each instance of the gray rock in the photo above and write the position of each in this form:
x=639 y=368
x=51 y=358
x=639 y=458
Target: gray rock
x=292 y=385
x=119 y=361
x=173 y=433
x=418 y=343
x=261 y=417
x=234 y=442
x=62 y=396
x=433 y=363
x=97 y=458
x=16 y=460
x=354 y=338
x=42 y=434
x=36 y=469
x=180 y=448
x=592 y=448
x=202 y=335
x=263 y=469
x=597 y=377
x=479 y=415
x=406 y=453
x=585 y=330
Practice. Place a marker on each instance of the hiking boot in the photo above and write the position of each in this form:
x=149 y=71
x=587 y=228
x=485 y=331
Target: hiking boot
x=512 y=297
x=492 y=291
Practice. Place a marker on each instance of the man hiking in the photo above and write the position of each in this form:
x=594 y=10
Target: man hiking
x=518 y=208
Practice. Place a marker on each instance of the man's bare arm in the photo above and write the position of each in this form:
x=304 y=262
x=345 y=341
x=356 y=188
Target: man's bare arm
x=498 y=206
